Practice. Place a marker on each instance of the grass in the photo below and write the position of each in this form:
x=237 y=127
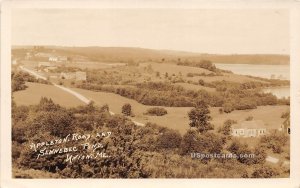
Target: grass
x=175 y=119
x=35 y=91
x=177 y=116
x=184 y=70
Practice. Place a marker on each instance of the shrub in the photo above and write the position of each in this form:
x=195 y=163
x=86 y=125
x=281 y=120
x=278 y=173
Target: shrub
x=275 y=141
x=156 y=111
x=226 y=129
x=126 y=109
x=249 y=118
x=169 y=140
x=221 y=110
x=205 y=143
x=228 y=107
x=264 y=172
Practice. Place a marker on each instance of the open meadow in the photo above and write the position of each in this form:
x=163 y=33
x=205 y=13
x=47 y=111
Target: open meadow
x=176 y=118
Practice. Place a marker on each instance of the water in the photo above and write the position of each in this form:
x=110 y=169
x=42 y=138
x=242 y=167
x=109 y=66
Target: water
x=280 y=92
x=264 y=71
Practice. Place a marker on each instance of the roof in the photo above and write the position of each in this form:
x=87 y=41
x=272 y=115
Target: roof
x=253 y=124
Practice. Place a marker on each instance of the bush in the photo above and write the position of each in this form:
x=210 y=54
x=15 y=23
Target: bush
x=156 y=111
x=169 y=140
x=205 y=143
x=226 y=129
x=228 y=107
x=274 y=141
x=264 y=172
x=126 y=109
x=221 y=110
x=249 y=118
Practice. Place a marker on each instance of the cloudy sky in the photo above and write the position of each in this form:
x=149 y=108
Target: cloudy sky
x=205 y=31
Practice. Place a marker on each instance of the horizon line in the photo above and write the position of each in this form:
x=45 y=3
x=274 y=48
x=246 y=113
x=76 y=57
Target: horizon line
x=182 y=51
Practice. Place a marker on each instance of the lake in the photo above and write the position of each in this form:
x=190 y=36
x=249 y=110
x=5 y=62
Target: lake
x=280 y=92
x=265 y=71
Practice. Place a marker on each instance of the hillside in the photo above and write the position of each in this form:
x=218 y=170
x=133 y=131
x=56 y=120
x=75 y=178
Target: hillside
x=129 y=54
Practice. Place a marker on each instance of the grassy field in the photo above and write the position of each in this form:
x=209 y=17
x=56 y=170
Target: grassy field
x=176 y=118
x=184 y=70
x=35 y=91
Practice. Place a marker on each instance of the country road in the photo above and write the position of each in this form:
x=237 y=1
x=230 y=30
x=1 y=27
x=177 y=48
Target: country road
x=74 y=93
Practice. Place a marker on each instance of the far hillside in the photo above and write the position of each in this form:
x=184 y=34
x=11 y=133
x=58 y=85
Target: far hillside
x=130 y=54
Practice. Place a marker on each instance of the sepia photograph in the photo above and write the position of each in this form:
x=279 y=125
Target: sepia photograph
x=155 y=93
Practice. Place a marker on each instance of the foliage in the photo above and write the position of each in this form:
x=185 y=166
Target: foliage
x=275 y=141
x=149 y=151
x=156 y=111
x=228 y=95
x=265 y=172
x=226 y=129
x=126 y=109
x=19 y=78
x=168 y=140
x=249 y=118
x=205 y=64
x=199 y=117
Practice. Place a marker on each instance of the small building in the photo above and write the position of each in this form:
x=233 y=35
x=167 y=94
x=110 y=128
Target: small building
x=58 y=59
x=53 y=58
x=253 y=128
x=285 y=126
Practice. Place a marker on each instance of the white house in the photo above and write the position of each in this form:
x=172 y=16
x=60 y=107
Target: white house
x=253 y=128
x=58 y=59
x=53 y=58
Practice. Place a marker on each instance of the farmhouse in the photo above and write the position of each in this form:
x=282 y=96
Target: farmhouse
x=53 y=58
x=285 y=126
x=58 y=59
x=252 y=128
x=73 y=75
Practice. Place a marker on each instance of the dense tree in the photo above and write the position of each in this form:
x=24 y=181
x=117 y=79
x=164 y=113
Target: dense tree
x=169 y=140
x=126 y=109
x=226 y=128
x=199 y=117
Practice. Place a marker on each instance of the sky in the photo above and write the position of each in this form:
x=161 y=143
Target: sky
x=218 y=31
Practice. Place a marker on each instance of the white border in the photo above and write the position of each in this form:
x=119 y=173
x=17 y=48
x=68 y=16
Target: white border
x=7 y=181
